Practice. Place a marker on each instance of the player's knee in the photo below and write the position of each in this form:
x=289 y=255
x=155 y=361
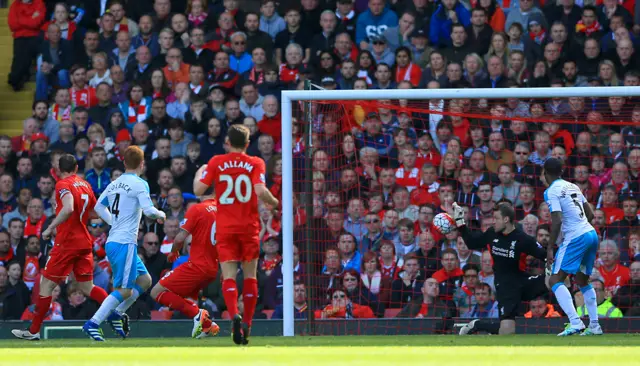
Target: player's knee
x=125 y=293
x=156 y=290
x=144 y=281
x=507 y=327
x=46 y=287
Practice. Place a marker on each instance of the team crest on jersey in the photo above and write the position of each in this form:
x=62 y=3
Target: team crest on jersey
x=184 y=221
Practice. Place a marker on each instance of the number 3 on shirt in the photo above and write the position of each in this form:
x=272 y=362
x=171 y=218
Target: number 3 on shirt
x=234 y=188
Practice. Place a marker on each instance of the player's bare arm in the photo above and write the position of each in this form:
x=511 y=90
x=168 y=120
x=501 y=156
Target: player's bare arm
x=63 y=215
x=178 y=243
x=588 y=210
x=103 y=212
x=198 y=187
x=556 y=225
x=265 y=195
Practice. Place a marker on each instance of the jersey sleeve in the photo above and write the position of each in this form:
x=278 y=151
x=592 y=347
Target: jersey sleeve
x=258 y=175
x=190 y=220
x=208 y=175
x=552 y=200
x=143 y=195
x=476 y=241
x=531 y=247
x=62 y=189
x=104 y=198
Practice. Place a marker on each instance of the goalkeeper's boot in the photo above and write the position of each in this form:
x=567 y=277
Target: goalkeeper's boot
x=25 y=334
x=119 y=323
x=469 y=328
x=93 y=331
x=570 y=330
x=246 y=331
x=236 y=330
x=592 y=330
x=201 y=324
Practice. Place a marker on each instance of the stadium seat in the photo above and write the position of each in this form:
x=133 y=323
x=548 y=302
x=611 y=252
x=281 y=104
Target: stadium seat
x=391 y=313
x=268 y=313
x=225 y=315
x=161 y=315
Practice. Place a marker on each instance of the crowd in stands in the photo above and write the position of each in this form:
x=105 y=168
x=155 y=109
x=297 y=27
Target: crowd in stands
x=171 y=76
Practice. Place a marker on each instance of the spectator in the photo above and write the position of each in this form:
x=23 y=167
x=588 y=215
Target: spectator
x=175 y=203
x=155 y=261
x=342 y=307
x=176 y=70
x=240 y=59
x=25 y=19
x=373 y=22
x=55 y=309
x=373 y=237
x=448 y=13
x=251 y=103
x=136 y=107
x=484 y=307
x=408 y=285
x=77 y=307
x=140 y=70
x=56 y=60
x=528 y=12
x=146 y=36
x=99 y=176
x=12 y=303
x=539 y=308
x=627 y=298
x=45 y=123
x=270 y=21
x=613 y=273
x=464 y=297
x=6 y=252
x=179 y=140
x=429 y=304
x=606 y=309
x=299 y=304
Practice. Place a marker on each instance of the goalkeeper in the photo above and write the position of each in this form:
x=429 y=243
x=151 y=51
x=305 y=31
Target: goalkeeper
x=509 y=248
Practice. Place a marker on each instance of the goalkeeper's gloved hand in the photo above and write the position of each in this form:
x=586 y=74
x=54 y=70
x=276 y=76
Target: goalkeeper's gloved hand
x=458 y=214
x=172 y=257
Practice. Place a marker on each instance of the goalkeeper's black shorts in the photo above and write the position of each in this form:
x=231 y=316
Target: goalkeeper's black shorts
x=511 y=294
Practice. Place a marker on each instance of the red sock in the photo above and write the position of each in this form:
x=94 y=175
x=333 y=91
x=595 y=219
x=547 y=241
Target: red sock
x=42 y=307
x=250 y=298
x=98 y=294
x=175 y=302
x=230 y=294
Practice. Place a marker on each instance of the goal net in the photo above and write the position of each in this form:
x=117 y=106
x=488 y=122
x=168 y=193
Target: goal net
x=364 y=173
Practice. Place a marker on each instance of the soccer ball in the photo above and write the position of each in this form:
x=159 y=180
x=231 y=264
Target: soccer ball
x=444 y=223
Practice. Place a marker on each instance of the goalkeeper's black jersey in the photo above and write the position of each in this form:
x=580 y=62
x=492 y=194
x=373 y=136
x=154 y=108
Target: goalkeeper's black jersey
x=509 y=252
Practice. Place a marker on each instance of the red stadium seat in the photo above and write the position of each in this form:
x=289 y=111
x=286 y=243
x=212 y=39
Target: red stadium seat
x=225 y=315
x=161 y=315
x=268 y=313
x=391 y=313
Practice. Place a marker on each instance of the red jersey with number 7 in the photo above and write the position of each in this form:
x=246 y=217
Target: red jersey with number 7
x=200 y=222
x=73 y=233
x=233 y=176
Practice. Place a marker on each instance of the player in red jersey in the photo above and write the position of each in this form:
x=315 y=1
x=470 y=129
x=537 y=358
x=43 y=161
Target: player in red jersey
x=189 y=278
x=239 y=180
x=72 y=250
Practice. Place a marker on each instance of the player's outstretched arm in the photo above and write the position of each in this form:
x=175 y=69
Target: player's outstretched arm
x=63 y=215
x=265 y=195
x=473 y=240
x=198 y=186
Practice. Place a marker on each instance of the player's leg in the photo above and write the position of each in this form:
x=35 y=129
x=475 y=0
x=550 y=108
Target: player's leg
x=567 y=261
x=58 y=267
x=172 y=291
x=250 y=255
x=83 y=272
x=122 y=259
x=142 y=283
x=588 y=292
x=230 y=254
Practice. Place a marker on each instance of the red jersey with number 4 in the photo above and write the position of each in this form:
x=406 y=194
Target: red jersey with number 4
x=200 y=222
x=73 y=233
x=233 y=176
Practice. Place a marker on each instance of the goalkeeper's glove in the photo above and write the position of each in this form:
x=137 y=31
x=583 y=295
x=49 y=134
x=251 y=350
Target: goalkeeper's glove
x=458 y=214
x=172 y=257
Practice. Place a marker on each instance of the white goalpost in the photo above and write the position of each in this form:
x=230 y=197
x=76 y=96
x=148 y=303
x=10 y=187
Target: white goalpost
x=288 y=97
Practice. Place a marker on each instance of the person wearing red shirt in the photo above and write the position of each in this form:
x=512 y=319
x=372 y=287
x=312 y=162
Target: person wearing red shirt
x=82 y=95
x=35 y=219
x=72 y=250
x=239 y=181
x=408 y=175
x=559 y=137
x=614 y=274
x=6 y=252
x=609 y=204
x=189 y=278
x=25 y=19
x=221 y=74
x=271 y=123
x=342 y=307
x=427 y=153
x=427 y=190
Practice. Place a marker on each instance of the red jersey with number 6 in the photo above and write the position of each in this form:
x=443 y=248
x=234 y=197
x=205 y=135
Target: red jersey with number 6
x=200 y=222
x=233 y=176
x=73 y=233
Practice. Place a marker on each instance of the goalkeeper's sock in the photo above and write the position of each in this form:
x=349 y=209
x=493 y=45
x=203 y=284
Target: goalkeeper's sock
x=230 y=294
x=136 y=291
x=566 y=303
x=487 y=326
x=110 y=303
x=250 y=298
x=175 y=302
x=591 y=302
x=42 y=307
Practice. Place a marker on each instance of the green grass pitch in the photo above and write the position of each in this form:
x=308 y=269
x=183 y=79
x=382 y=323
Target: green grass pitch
x=539 y=350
